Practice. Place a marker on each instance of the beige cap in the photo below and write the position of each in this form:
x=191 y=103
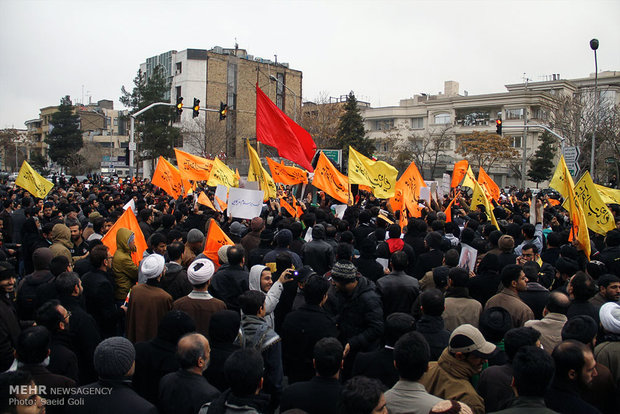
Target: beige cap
x=467 y=338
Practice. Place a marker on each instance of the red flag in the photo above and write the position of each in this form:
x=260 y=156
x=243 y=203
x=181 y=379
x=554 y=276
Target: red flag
x=275 y=128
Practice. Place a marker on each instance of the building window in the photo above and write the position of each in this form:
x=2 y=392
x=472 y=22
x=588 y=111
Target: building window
x=280 y=90
x=442 y=119
x=417 y=123
x=179 y=68
x=514 y=113
x=516 y=142
x=179 y=92
x=539 y=113
x=384 y=124
x=231 y=88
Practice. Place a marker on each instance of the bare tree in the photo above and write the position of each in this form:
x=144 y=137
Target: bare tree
x=320 y=118
x=206 y=139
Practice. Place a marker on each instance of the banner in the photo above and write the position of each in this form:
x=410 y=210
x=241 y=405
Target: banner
x=479 y=197
x=408 y=187
x=256 y=172
x=128 y=221
x=598 y=216
x=562 y=180
x=33 y=182
x=285 y=174
x=192 y=166
x=221 y=174
x=168 y=178
x=245 y=204
x=608 y=195
x=378 y=175
x=284 y=204
x=215 y=239
x=470 y=179
x=330 y=180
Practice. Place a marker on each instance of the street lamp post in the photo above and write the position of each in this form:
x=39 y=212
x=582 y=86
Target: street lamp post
x=594 y=46
x=273 y=78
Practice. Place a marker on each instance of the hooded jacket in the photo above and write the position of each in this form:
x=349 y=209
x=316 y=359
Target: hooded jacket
x=449 y=379
x=61 y=241
x=125 y=270
x=272 y=297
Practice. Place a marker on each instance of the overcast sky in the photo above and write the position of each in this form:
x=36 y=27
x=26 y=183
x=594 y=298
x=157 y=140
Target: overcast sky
x=382 y=50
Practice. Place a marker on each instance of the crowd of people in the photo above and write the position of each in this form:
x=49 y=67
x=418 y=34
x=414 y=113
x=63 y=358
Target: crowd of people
x=356 y=313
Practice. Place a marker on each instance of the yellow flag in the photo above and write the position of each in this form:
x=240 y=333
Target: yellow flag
x=32 y=181
x=479 y=197
x=597 y=214
x=562 y=180
x=579 y=230
x=258 y=173
x=608 y=195
x=221 y=174
x=378 y=175
x=469 y=179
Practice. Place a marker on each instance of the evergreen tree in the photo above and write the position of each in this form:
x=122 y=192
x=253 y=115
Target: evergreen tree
x=542 y=166
x=351 y=130
x=65 y=138
x=154 y=127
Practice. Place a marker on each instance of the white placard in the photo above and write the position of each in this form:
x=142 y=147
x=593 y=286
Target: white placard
x=425 y=194
x=244 y=203
x=131 y=204
x=468 y=257
x=445 y=184
x=221 y=191
x=339 y=209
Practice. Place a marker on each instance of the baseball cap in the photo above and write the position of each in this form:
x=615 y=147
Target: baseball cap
x=468 y=339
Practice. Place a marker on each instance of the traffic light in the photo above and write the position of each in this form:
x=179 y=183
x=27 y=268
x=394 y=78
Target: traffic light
x=223 y=110
x=179 y=105
x=196 y=108
x=498 y=126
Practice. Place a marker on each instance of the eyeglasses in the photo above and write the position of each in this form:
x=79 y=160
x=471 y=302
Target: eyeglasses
x=66 y=318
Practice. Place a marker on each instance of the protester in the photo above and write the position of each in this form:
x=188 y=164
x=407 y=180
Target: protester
x=514 y=281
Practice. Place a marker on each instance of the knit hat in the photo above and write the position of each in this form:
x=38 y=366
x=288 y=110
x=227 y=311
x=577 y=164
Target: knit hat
x=266 y=235
x=114 y=357
x=41 y=258
x=200 y=271
x=153 y=265
x=467 y=338
x=237 y=229
x=222 y=254
x=195 y=236
x=284 y=238
x=344 y=270
x=257 y=224
x=610 y=317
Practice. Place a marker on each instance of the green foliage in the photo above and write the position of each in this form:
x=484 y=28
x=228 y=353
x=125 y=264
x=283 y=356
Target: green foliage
x=65 y=139
x=541 y=165
x=351 y=130
x=154 y=128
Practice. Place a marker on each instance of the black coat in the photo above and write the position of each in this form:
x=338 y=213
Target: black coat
x=154 y=359
x=319 y=255
x=427 y=261
x=43 y=377
x=9 y=331
x=228 y=283
x=183 y=392
x=122 y=399
x=433 y=330
x=383 y=251
x=535 y=297
x=398 y=291
x=27 y=302
x=301 y=330
x=361 y=232
x=100 y=303
x=318 y=396
x=215 y=371
x=378 y=365
x=63 y=360
x=484 y=285
x=175 y=281
x=564 y=398
x=611 y=257
x=83 y=329
x=359 y=316
x=369 y=267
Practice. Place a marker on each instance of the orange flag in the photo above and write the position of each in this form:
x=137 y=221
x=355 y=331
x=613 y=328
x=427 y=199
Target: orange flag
x=488 y=185
x=396 y=202
x=554 y=202
x=222 y=204
x=194 y=167
x=204 y=200
x=409 y=183
x=297 y=207
x=168 y=178
x=216 y=238
x=128 y=221
x=285 y=174
x=460 y=169
x=288 y=207
x=448 y=210
x=330 y=180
